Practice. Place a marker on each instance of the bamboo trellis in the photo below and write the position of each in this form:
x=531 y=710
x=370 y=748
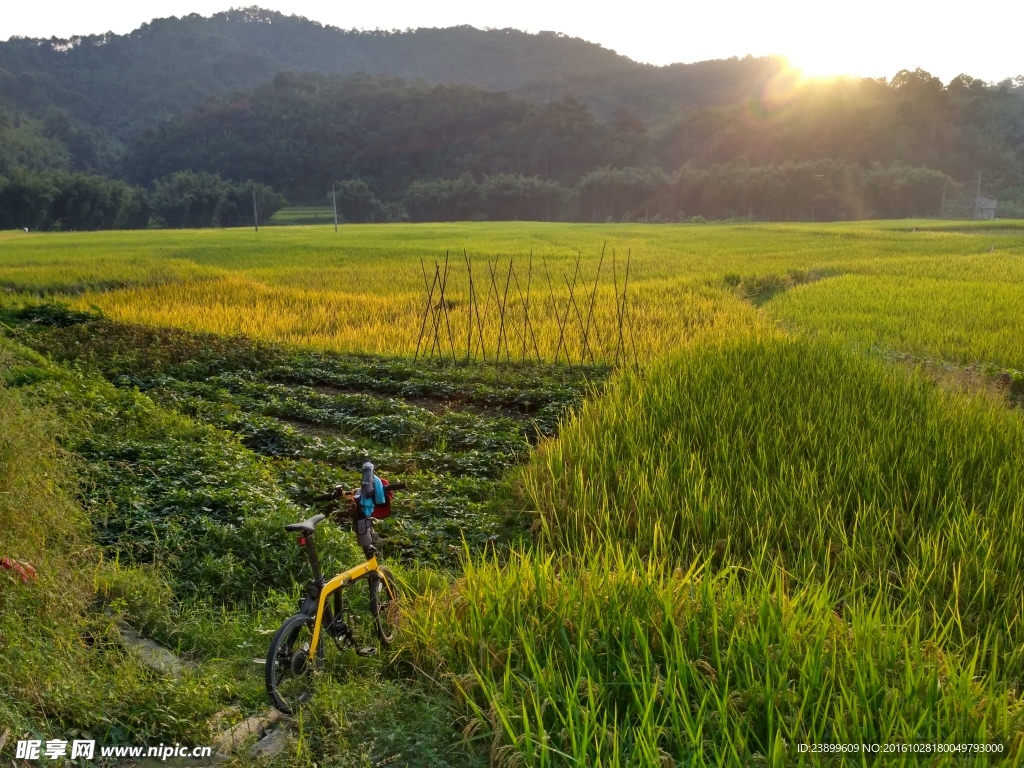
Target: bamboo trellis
x=509 y=332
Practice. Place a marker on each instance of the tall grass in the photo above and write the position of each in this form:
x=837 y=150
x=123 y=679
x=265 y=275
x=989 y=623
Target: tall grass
x=746 y=547
x=625 y=663
x=753 y=543
x=820 y=459
x=664 y=314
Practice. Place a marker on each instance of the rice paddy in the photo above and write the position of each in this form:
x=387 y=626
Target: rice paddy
x=364 y=288
x=766 y=535
x=965 y=321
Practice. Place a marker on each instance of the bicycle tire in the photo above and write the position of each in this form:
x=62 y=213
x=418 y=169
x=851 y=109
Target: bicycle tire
x=288 y=680
x=385 y=604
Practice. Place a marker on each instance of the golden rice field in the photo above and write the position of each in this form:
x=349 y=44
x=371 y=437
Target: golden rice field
x=927 y=288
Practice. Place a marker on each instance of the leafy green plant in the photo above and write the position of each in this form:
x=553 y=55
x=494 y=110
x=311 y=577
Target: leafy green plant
x=199 y=447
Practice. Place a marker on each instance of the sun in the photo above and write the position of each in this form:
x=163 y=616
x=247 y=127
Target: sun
x=819 y=67
x=815 y=61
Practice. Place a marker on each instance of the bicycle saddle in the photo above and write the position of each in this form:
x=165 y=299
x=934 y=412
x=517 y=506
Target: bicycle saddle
x=306 y=526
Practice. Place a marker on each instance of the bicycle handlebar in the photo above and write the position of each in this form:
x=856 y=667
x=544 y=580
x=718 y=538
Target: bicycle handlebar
x=335 y=494
x=339 y=491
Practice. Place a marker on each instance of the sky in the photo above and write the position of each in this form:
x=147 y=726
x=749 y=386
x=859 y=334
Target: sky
x=872 y=38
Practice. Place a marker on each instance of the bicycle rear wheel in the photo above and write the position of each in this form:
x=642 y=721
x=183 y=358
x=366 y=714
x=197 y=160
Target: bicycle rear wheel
x=289 y=670
x=385 y=604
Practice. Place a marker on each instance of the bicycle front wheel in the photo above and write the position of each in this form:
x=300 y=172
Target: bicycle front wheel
x=289 y=670
x=385 y=604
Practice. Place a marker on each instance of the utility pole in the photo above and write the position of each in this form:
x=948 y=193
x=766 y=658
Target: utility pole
x=977 y=197
x=942 y=215
x=255 y=218
x=334 y=200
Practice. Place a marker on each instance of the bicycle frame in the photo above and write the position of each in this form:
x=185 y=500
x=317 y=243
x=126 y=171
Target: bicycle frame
x=332 y=586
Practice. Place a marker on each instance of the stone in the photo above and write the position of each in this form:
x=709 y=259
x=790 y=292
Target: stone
x=275 y=742
x=257 y=725
x=152 y=654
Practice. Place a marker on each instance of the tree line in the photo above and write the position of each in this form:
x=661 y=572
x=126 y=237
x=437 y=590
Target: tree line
x=75 y=201
x=124 y=83
x=813 y=190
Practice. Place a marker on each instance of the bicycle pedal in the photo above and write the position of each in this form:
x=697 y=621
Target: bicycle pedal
x=370 y=650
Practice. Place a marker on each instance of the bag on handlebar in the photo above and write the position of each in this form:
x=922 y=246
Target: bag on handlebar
x=374 y=498
x=380 y=511
x=362 y=526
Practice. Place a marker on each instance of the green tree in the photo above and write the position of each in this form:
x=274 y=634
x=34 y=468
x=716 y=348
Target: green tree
x=622 y=193
x=188 y=199
x=357 y=203
x=25 y=201
x=90 y=202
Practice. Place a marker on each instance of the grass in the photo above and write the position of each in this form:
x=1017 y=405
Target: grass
x=388 y=323
x=303 y=214
x=966 y=321
x=829 y=464
x=622 y=662
x=188 y=472
x=66 y=671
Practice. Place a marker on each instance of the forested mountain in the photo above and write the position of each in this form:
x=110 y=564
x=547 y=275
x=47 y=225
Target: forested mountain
x=301 y=133
x=173 y=123
x=125 y=82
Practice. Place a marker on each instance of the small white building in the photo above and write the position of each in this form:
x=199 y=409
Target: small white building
x=984 y=207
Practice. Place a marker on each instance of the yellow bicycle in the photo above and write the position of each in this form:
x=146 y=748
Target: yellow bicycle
x=336 y=607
